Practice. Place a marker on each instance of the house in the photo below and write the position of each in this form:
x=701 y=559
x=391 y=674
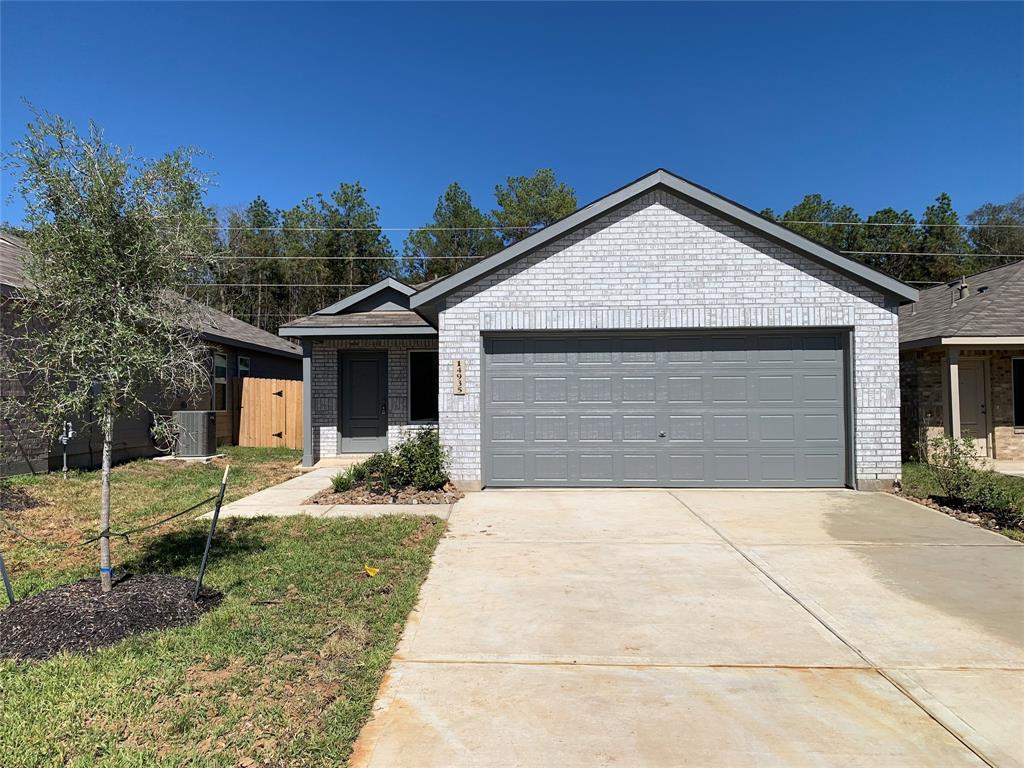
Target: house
x=660 y=336
x=237 y=350
x=962 y=363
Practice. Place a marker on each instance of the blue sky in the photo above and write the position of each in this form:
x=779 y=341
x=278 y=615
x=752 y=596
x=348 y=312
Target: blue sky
x=870 y=104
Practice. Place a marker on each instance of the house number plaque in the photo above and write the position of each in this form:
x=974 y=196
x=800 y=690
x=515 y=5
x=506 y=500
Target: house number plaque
x=459 y=378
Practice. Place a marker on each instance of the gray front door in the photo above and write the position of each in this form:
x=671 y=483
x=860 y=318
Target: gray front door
x=363 y=381
x=762 y=408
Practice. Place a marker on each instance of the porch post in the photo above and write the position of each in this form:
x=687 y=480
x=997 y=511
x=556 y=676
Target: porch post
x=954 y=392
x=307 y=403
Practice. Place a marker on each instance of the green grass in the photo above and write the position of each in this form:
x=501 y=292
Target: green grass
x=288 y=682
x=918 y=481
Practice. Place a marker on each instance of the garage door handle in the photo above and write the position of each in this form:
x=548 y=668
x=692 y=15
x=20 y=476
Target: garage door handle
x=661 y=434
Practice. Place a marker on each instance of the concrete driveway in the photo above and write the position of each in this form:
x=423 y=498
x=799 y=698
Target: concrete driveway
x=708 y=628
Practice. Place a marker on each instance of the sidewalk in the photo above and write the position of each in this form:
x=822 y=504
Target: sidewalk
x=287 y=498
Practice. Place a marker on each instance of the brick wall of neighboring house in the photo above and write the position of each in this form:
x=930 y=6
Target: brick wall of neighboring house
x=659 y=262
x=924 y=398
x=326 y=394
x=1008 y=440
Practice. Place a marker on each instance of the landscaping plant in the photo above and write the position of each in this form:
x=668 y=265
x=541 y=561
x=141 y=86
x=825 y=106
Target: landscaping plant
x=419 y=461
x=102 y=325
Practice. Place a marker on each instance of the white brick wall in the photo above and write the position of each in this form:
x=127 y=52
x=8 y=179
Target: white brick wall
x=659 y=262
x=325 y=388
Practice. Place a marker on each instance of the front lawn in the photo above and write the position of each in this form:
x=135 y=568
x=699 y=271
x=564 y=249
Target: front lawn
x=919 y=481
x=283 y=672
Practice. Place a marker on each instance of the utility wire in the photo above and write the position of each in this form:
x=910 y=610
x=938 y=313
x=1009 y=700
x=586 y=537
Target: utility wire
x=235 y=228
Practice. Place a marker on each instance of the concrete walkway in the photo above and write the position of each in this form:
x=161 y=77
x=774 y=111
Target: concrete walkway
x=287 y=498
x=708 y=628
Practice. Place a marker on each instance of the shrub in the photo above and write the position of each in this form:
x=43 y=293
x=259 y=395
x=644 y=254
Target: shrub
x=426 y=458
x=386 y=472
x=342 y=481
x=954 y=464
x=988 y=493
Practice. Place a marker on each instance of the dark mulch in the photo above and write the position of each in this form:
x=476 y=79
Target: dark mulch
x=78 y=617
x=361 y=494
x=14 y=499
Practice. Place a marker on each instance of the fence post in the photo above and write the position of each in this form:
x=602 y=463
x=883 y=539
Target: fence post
x=7 y=580
x=209 y=536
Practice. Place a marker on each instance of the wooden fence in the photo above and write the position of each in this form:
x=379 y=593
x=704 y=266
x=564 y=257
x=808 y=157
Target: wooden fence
x=271 y=414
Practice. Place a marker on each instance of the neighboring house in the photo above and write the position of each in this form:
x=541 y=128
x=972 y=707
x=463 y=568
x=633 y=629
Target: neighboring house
x=660 y=336
x=962 y=363
x=237 y=350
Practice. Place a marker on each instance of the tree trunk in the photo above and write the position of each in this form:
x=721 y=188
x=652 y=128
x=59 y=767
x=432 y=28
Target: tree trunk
x=108 y=449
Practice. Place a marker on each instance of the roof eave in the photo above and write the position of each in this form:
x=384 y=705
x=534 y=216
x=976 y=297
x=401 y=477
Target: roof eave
x=230 y=342
x=697 y=195
x=356 y=331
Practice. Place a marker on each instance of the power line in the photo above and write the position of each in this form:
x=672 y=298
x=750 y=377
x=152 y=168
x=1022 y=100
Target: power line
x=233 y=228
x=466 y=258
x=276 y=285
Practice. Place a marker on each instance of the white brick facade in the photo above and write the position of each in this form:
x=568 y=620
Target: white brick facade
x=659 y=262
x=326 y=394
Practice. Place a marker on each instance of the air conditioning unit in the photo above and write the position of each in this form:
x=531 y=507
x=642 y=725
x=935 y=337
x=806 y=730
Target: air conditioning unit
x=196 y=433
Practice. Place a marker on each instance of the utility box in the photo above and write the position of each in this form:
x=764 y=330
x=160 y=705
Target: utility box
x=196 y=433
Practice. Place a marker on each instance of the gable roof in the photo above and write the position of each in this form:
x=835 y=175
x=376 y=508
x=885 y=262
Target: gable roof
x=693 y=193
x=993 y=306
x=365 y=293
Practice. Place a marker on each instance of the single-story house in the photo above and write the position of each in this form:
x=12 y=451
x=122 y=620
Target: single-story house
x=659 y=336
x=237 y=350
x=962 y=363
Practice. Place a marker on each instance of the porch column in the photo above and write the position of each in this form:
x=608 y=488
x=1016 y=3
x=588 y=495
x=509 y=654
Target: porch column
x=307 y=403
x=954 y=392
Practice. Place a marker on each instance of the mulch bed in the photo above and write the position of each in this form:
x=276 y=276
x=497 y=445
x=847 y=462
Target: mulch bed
x=14 y=499
x=78 y=617
x=982 y=521
x=361 y=494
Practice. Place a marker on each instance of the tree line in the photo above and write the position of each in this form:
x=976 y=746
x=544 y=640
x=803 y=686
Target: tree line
x=274 y=265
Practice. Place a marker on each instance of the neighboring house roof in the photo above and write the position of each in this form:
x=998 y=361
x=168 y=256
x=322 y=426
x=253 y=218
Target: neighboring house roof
x=366 y=293
x=214 y=325
x=12 y=249
x=221 y=328
x=993 y=306
x=692 y=193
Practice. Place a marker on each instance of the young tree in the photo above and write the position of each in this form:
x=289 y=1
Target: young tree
x=528 y=203
x=112 y=238
x=459 y=235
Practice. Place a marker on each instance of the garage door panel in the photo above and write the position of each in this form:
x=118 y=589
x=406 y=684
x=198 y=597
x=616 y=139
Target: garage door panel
x=716 y=409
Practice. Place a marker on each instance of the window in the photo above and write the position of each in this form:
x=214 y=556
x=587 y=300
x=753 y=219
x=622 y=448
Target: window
x=220 y=381
x=423 y=386
x=244 y=364
x=1018 y=392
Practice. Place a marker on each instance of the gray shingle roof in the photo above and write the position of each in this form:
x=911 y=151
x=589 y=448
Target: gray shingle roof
x=378 y=319
x=11 y=249
x=994 y=306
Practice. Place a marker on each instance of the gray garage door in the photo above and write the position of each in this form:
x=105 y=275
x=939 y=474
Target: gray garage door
x=724 y=409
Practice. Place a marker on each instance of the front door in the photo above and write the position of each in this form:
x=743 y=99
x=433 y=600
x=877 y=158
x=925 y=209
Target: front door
x=973 y=404
x=362 y=378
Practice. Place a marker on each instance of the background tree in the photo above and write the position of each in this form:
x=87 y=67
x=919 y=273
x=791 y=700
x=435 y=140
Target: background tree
x=459 y=235
x=945 y=242
x=996 y=228
x=112 y=239
x=528 y=203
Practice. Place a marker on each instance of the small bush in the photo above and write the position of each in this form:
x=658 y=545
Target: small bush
x=357 y=472
x=426 y=458
x=954 y=463
x=989 y=494
x=342 y=481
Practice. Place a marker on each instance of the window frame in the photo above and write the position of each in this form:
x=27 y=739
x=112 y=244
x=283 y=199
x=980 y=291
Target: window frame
x=408 y=358
x=1014 y=360
x=219 y=380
